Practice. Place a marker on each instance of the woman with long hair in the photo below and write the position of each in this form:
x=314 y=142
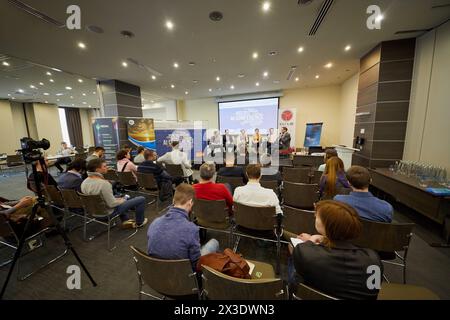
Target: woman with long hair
x=333 y=180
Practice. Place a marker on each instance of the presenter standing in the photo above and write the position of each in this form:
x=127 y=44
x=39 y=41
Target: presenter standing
x=242 y=142
x=285 y=139
x=256 y=140
x=271 y=139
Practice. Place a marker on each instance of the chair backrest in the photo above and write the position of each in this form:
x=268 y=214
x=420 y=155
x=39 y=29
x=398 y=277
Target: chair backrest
x=111 y=175
x=297 y=175
x=255 y=218
x=175 y=170
x=14 y=160
x=309 y=161
x=387 y=237
x=54 y=195
x=299 y=221
x=71 y=199
x=167 y=277
x=339 y=190
x=210 y=212
x=146 y=180
x=300 y=195
x=234 y=182
x=5 y=227
x=94 y=205
x=315 y=176
x=127 y=178
x=305 y=292
x=219 y=286
x=81 y=155
x=270 y=184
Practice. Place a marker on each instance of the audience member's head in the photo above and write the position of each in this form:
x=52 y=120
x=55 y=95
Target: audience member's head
x=207 y=171
x=330 y=153
x=337 y=221
x=175 y=144
x=78 y=165
x=99 y=151
x=150 y=155
x=184 y=197
x=359 y=178
x=140 y=150
x=253 y=171
x=265 y=160
x=122 y=154
x=97 y=165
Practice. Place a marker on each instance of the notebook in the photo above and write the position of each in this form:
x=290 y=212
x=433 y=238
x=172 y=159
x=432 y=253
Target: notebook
x=296 y=241
x=251 y=265
x=439 y=191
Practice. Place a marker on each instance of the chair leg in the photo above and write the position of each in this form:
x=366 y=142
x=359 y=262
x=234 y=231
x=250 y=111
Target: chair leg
x=85 y=228
x=109 y=234
x=277 y=271
x=236 y=244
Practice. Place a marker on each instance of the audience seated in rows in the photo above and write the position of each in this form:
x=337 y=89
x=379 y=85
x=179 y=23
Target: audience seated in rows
x=124 y=164
x=98 y=153
x=329 y=153
x=333 y=179
x=162 y=177
x=207 y=189
x=269 y=172
x=329 y=262
x=140 y=156
x=178 y=157
x=231 y=170
x=65 y=152
x=252 y=194
x=73 y=178
x=172 y=236
x=44 y=177
x=365 y=203
x=96 y=184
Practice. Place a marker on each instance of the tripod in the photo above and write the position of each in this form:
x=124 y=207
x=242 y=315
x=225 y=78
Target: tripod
x=41 y=204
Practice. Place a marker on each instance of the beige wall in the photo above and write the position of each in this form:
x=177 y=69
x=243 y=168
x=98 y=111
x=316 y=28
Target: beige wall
x=48 y=125
x=349 y=95
x=8 y=141
x=86 y=127
x=200 y=109
x=20 y=126
x=428 y=131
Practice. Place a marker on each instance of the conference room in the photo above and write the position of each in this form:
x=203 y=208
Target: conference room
x=225 y=150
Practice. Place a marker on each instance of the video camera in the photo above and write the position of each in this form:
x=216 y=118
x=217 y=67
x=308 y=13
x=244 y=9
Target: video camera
x=30 y=149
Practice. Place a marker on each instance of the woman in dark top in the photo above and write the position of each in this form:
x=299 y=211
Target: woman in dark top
x=329 y=262
x=333 y=180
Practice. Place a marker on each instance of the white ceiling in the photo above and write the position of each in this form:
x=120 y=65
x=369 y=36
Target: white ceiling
x=218 y=48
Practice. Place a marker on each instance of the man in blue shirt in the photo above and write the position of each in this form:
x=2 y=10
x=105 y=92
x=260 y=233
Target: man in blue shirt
x=173 y=236
x=368 y=206
x=73 y=178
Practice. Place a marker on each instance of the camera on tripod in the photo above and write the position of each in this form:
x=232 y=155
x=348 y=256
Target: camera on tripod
x=30 y=149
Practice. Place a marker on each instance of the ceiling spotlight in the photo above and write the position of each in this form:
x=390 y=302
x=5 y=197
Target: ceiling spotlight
x=68 y=88
x=51 y=80
x=46 y=94
x=232 y=87
x=73 y=105
x=153 y=77
x=210 y=90
x=57 y=100
x=93 y=92
x=348 y=47
x=84 y=94
x=6 y=64
x=80 y=80
x=255 y=55
x=241 y=75
x=127 y=34
x=152 y=101
x=84 y=102
x=192 y=64
x=59 y=70
x=46 y=101
x=266 y=6
x=81 y=45
x=328 y=65
x=71 y=97
x=257 y=84
x=186 y=92
x=20 y=90
x=9 y=94
x=273 y=53
x=276 y=81
x=169 y=25
x=48 y=73
x=265 y=74
x=59 y=94
x=175 y=65
x=195 y=81
x=32 y=87
x=317 y=76
x=13 y=98
x=217 y=78
x=41 y=83
x=297 y=79
x=300 y=49
x=124 y=64
x=172 y=86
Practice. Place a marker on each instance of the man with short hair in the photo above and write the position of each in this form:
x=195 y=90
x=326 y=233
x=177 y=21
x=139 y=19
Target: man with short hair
x=73 y=178
x=98 y=153
x=253 y=194
x=96 y=184
x=231 y=170
x=365 y=203
x=207 y=189
x=178 y=157
x=173 y=237
x=65 y=153
x=285 y=139
x=269 y=173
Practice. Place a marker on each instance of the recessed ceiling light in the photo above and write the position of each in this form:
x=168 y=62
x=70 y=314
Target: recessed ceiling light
x=210 y=90
x=80 y=80
x=255 y=55
x=300 y=49
x=348 y=47
x=124 y=64
x=13 y=98
x=169 y=25
x=152 y=101
x=195 y=81
x=84 y=94
x=276 y=81
x=232 y=87
x=273 y=53
x=93 y=92
x=32 y=87
x=241 y=75
x=41 y=83
x=9 y=94
x=153 y=77
x=46 y=101
x=192 y=64
x=59 y=94
x=51 y=80
x=266 y=6
x=81 y=45
x=127 y=34
x=379 y=18
x=84 y=102
x=257 y=84
x=317 y=76
x=20 y=90
x=5 y=63
x=90 y=106
x=59 y=70
x=217 y=78
x=46 y=94
x=175 y=65
x=328 y=65
x=48 y=73
x=265 y=74
x=68 y=88
x=172 y=86
x=297 y=79
x=71 y=97
x=73 y=105
x=57 y=100
x=186 y=92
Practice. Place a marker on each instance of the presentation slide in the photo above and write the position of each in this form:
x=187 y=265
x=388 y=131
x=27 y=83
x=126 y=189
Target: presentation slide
x=248 y=115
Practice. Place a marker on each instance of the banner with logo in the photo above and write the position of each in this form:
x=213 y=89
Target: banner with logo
x=141 y=132
x=287 y=118
x=106 y=134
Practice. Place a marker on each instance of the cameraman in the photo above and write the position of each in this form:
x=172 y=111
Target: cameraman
x=44 y=177
x=96 y=184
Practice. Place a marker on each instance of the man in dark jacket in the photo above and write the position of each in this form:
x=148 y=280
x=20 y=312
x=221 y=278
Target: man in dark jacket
x=73 y=178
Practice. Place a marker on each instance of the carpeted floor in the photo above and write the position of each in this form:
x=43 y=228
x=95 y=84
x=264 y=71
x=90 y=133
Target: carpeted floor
x=115 y=272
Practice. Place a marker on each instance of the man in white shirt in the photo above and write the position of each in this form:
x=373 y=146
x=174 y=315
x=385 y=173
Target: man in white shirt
x=253 y=194
x=178 y=157
x=65 y=153
x=271 y=140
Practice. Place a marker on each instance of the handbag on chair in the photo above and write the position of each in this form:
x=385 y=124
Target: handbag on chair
x=228 y=263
